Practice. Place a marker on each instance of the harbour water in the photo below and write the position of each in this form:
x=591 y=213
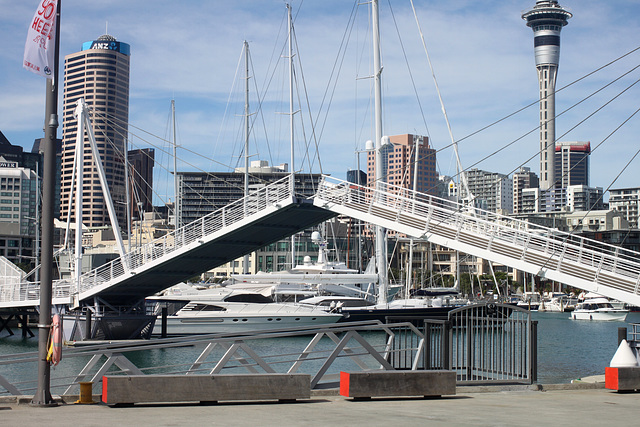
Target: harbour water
x=567 y=349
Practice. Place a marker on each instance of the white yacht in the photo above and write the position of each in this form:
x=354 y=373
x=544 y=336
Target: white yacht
x=221 y=310
x=558 y=302
x=597 y=307
x=309 y=279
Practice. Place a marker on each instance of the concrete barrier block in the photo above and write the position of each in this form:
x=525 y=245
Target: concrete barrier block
x=397 y=383
x=622 y=379
x=204 y=388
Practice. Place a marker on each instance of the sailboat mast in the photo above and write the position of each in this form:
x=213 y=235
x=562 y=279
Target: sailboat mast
x=381 y=247
x=245 y=263
x=292 y=181
x=416 y=159
x=176 y=202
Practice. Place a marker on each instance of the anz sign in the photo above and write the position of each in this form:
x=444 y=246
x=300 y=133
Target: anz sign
x=107 y=45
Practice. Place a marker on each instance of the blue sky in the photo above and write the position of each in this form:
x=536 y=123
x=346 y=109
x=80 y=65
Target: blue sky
x=481 y=50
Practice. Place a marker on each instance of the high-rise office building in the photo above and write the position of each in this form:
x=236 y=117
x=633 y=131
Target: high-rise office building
x=204 y=192
x=99 y=73
x=572 y=163
x=399 y=163
x=141 y=177
x=546 y=19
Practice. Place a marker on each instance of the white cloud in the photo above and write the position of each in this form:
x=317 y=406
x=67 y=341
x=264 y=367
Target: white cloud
x=482 y=52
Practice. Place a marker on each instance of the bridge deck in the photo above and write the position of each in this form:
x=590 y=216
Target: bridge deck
x=272 y=213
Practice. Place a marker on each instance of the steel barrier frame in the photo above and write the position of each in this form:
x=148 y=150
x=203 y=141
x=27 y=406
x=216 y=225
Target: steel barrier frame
x=345 y=341
x=483 y=343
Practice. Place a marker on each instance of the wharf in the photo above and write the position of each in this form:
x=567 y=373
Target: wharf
x=563 y=404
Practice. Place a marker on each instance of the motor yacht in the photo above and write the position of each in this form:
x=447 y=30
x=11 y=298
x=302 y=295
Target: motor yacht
x=221 y=310
x=597 y=307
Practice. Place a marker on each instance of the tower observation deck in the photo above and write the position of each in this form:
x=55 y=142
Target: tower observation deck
x=546 y=19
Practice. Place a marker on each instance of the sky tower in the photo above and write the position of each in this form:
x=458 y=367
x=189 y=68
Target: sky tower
x=547 y=19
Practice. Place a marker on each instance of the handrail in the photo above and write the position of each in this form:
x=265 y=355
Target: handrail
x=322 y=349
x=547 y=249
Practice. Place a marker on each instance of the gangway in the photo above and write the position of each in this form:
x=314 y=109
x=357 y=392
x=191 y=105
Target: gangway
x=259 y=219
x=583 y=263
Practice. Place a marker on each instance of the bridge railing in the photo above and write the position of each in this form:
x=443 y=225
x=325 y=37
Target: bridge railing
x=549 y=248
x=177 y=240
x=191 y=233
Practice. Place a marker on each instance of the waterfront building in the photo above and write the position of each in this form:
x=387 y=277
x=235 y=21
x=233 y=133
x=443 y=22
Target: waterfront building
x=572 y=163
x=579 y=222
x=398 y=158
x=204 y=192
x=491 y=191
x=18 y=196
x=522 y=179
x=17 y=211
x=546 y=19
x=141 y=177
x=99 y=73
x=627 y=201
x=15 y=153
x=584 y=198
x=594 y=221
x=357 y=177
x=529 y=201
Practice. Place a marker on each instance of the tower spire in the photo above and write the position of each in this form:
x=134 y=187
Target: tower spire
x=546 y=19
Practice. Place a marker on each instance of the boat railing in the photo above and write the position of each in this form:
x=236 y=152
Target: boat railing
x=321 y=351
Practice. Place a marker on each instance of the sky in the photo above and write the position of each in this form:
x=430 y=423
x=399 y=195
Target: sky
x=481 y=52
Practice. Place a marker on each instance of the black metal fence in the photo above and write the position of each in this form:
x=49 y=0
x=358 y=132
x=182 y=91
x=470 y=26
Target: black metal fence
x=483 y=343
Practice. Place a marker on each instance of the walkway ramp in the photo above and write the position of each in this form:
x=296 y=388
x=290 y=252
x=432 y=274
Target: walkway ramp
x=586 y=264
x=264 y=217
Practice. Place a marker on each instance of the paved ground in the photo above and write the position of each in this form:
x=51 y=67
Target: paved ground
x=556 y=406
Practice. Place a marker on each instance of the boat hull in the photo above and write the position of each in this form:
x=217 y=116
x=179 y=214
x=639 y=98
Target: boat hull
x=239 y=324
x=603 y=316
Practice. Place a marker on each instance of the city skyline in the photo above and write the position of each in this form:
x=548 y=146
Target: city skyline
x=195 y=59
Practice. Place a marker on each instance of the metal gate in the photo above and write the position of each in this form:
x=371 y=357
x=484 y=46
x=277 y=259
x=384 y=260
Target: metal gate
x=484 y=344
x=491 y=343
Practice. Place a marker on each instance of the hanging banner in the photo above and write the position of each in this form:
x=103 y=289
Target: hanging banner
x=40 y=45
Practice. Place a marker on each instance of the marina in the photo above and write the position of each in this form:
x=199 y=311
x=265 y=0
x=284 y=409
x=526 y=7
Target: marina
x=318 y=324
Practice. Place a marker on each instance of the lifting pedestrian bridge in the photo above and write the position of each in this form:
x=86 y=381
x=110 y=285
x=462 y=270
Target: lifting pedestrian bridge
x=274 y=212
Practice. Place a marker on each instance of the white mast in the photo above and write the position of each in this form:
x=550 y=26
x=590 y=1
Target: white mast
x=416 y=142
x=176 y=203
x=292 y=181
x=245 y=263
x=381 y=247
x=79 y=162
x=83 y=118
x=127 y=180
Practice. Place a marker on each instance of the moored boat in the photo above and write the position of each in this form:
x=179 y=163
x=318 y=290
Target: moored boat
x=596 y=307
x=223 y=310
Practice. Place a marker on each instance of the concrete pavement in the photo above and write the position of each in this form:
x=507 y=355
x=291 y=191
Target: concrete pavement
x=477 y=406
